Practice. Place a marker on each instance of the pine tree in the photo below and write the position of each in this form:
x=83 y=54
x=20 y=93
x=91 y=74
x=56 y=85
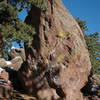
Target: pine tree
x=11 y=27
x=82 y=24
x=93 y=45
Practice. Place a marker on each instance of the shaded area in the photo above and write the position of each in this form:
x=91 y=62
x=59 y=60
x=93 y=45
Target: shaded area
x=91 y=90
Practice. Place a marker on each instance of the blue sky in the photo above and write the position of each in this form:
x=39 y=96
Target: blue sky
x=22 y=14
x=88 y=10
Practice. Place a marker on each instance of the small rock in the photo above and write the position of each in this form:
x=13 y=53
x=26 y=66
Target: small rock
x=6 y=90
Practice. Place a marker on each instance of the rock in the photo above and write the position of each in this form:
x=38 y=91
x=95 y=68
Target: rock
x=93 y=98
x=96 y=79
x=2 y=62
x=16 y=63
x=8 y=62
x=59 y=58
x=13 y=52
x=13 y=64
x=6 y=90
x=1 y=70
x=17 y=58
x=47 y=94
x=3 y=74
x=19 y=96
x=91 y=90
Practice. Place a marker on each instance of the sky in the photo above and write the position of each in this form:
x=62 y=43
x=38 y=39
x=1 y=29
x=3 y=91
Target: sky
x=88 y=10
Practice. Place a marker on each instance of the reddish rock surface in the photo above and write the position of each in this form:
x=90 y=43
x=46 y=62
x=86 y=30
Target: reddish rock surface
x=17 y=56
x=5 y=86
x=16 y=52
x=93 y=98
x=59 y=59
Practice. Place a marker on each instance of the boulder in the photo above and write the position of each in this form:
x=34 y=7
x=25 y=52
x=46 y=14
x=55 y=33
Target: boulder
x=3 y=74
x=58 y=58
x=17 y=56
x=47 y=94
x=93 y=98
x=13 y=52
x=13 y=64
x=96 y=79
x=16 y=59
x=2 y=62
x=16 y=63
x=6 y=91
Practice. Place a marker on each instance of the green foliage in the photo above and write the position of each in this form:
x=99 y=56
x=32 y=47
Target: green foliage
x=20 y=31
x=82 y=24
x=93 y=45
x=11 y=27
x=7 y=13
x=42 y=4
x=5 y=54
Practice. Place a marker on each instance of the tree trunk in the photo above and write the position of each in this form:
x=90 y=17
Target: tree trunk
x=58 y=58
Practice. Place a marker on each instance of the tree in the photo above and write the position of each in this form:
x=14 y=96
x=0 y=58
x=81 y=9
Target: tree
x=11 y=27
x=93 y=45
x=82 y=24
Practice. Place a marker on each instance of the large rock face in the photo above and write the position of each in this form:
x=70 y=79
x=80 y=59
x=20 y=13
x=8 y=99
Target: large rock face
x=58 y=64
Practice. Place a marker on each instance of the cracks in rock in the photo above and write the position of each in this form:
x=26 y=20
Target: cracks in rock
x=52 y=2
x=48 y=21
x=60 y=92
x=51 y=75
x=69 y=49
x=45 y=36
